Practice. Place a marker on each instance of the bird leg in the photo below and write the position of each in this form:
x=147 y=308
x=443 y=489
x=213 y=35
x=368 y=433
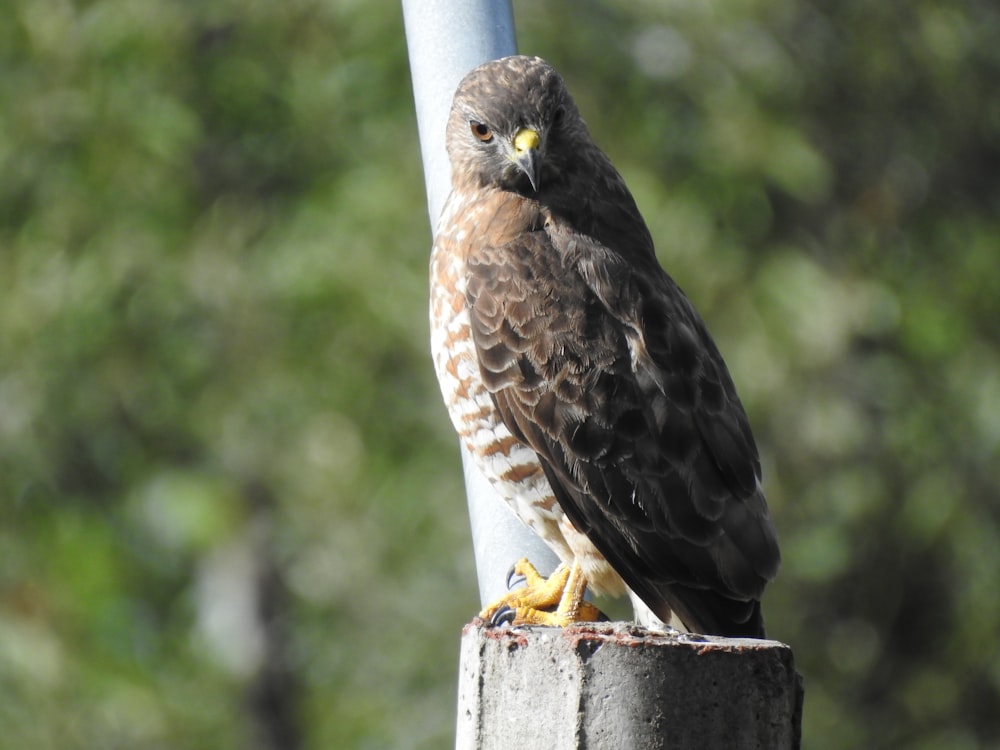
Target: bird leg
x=528 y=605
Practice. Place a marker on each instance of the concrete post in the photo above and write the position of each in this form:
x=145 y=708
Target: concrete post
x=615 y=685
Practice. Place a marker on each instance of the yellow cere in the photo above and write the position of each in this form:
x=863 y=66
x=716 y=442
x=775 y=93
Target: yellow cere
x=525 y=139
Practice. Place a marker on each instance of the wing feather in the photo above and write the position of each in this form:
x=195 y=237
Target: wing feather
x=606 y=370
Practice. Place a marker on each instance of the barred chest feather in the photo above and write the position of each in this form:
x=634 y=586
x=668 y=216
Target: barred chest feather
x=511 y=466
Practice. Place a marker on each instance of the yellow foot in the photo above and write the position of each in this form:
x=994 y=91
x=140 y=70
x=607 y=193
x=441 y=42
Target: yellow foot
x=563 y=590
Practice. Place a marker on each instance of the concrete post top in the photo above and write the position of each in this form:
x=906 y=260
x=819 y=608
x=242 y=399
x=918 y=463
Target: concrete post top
x=621 y=634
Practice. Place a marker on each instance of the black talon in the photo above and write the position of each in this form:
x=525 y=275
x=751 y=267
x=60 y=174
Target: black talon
x=503 y=616
x=514 y=578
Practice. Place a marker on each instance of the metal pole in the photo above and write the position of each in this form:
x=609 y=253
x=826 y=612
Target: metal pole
x=446 y=39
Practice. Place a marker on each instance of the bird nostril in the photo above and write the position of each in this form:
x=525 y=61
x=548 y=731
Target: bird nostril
x=526 y=139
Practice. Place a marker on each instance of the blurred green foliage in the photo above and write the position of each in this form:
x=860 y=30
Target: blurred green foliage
x=231 y=507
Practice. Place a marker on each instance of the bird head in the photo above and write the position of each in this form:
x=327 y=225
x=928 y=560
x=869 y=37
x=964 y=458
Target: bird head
x=509 y=128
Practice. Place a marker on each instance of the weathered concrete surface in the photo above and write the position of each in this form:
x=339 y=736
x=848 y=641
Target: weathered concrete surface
x=616 y=685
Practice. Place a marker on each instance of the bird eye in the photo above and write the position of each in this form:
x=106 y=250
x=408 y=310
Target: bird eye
x=482 y=132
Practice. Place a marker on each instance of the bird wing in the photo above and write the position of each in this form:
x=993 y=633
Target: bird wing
x=606 y=370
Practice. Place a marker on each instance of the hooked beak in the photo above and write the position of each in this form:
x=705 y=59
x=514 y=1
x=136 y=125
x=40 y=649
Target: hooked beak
x=527 y=154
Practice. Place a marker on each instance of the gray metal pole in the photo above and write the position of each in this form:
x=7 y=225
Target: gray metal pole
x=446 y=39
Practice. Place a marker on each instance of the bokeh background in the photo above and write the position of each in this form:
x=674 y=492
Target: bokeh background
x=231 y=510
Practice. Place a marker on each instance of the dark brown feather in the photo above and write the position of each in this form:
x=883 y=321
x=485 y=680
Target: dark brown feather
x=597 y=360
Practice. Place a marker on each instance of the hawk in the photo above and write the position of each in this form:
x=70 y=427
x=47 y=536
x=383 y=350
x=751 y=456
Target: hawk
x=581 y=378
